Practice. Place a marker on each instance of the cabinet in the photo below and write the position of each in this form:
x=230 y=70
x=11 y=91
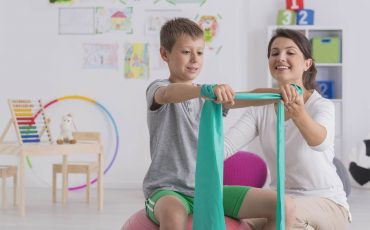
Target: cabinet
x=329 y=74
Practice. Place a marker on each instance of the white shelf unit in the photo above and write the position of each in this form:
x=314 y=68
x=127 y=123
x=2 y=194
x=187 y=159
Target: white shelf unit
x=325 y=71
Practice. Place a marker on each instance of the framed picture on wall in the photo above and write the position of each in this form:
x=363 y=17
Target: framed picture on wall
x=77 y=20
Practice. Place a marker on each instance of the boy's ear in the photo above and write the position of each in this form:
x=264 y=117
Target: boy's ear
x=163 y=53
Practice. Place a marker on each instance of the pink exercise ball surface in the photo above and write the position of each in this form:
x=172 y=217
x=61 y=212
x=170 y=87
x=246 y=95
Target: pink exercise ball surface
x=140 y=221
x=245 y=168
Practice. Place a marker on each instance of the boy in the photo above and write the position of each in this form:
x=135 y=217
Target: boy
x=174 y=107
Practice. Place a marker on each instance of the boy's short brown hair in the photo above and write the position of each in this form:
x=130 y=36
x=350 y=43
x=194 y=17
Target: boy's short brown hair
x=175 y=28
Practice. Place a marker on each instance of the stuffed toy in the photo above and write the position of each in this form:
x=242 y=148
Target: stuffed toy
x=66 y=129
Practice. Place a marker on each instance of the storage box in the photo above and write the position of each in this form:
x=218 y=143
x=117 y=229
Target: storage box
x=326 y=88
x=326 y=49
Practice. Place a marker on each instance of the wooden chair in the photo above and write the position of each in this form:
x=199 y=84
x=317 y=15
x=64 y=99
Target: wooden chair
x=8 y=171
x=78 y=167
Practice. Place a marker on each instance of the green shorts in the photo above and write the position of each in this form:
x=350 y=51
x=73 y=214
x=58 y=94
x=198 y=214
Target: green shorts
x=233 y=197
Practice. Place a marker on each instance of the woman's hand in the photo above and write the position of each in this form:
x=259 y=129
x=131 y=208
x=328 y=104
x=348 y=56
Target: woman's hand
x=313 y=132
x=293 y=102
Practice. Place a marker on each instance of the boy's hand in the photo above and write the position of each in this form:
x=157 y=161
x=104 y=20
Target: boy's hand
x=224 y=94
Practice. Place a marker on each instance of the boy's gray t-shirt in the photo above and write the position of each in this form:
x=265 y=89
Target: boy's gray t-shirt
x=173 y=130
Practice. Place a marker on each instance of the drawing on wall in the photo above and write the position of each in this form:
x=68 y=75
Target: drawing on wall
x=100 y=56
x=136 y=64
x=76 y=20
x=210 y=26
x=154 y=23
x=96 y=2
x=125 y=2
x=157 y=17
x=174 y=2
x=90 y=2
x=60 y=1
x=108 y=20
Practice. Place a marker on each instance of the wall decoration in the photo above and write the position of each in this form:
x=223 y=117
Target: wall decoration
x=135 y=1
x=136 y=64
x=108 y=20
x=295 y=14
x=153 y=24
x=210 y=26
x=157 y=17
x=60 y=1
x=174 y=2
x=76 y=20
x=100 y=56
x=96 y=2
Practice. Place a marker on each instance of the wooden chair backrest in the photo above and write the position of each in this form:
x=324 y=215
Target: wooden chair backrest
x=86 y=136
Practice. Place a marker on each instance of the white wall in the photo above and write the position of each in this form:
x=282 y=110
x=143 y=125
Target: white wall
x=36 y=62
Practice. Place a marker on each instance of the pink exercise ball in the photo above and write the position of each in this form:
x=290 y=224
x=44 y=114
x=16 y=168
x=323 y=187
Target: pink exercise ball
x=246 y=169
x=140 y=221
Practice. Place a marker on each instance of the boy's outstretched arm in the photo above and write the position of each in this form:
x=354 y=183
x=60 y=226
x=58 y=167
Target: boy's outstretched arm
x=175 y=93
x=179 y=92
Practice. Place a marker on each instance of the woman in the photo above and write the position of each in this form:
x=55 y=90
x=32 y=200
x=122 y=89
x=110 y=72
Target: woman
x=310 y=175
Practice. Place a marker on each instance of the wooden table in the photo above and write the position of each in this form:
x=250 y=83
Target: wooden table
x=24 y=150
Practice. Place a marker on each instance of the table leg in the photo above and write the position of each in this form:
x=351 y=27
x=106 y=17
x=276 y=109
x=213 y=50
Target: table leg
x=15 y=190
x=65 y=179
x=22 y=184
x=100 y=180
x=5 y=201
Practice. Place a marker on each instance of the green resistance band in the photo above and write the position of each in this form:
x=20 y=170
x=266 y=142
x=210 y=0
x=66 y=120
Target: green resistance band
x=208 y=208
x=208 y=212
x=280 y=140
